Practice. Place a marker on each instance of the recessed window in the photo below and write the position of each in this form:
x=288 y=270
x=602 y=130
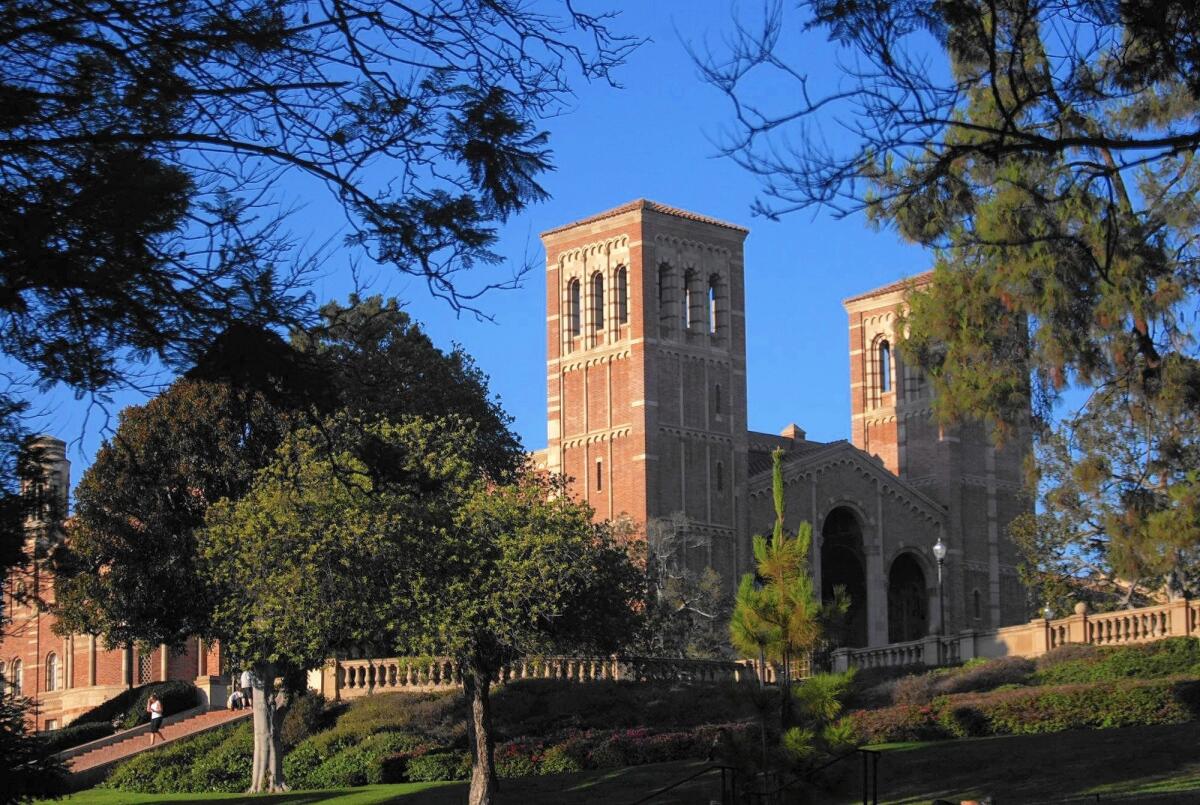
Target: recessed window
x=622 y=295
x=52 y=671
x=16 y=681
x=717 y=403
x=885 y=366
x=712 y=303
x=720 y=477
x=573 y=308
x=597 y=301
x=599 y=475
x=978 y=607
x=689 y=278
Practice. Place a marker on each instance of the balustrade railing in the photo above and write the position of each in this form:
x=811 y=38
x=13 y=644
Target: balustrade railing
x=357 y=677
x=1175 y=619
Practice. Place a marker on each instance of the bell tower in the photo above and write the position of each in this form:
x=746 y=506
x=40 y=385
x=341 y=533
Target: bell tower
x=646 y=371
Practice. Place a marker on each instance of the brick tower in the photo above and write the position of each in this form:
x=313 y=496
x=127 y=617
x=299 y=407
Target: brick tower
x=980 y=486
x=646 y=366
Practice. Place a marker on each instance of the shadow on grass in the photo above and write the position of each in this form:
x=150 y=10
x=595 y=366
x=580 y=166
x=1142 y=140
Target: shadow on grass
x=1038 y=768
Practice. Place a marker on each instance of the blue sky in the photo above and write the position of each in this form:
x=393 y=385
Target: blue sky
x=652 y=139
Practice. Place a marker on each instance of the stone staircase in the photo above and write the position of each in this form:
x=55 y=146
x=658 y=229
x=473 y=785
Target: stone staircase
x=89 y=763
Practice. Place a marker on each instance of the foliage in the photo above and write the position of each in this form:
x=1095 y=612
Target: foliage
x=529 y=573
x=168 y=769
x=1174 y=656
x=1034 y=710
x=918 y=689
x=439 y=766
x=1046 y=150
x=28 y=770
x=777 y=611
x=306 y=715
x=687 y=610
x=819 y=728
x=77 y=734
x=128 y=708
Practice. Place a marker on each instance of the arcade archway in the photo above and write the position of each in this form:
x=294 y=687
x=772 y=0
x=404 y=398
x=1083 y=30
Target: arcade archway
x=908 y=600
x=842 y=565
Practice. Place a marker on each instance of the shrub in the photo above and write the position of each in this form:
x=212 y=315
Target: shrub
x=310 y=753
x=128 y=709
x=914 y=690
x=436 y=766
x=225 y=767
x=305 y=717
x=163 y=771
x=56 y=741
x=608 y=755
x=560 y=759
x=987 y=675
x=1027 y=711
x=517 y=758
x=1163 y=658
x=363 y=762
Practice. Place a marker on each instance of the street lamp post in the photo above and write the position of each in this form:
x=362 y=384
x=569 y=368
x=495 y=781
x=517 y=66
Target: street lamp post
x=939 y=553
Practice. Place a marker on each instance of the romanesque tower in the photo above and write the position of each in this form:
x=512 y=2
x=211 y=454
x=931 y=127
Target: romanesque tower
x=979 y=485
x=646 y=366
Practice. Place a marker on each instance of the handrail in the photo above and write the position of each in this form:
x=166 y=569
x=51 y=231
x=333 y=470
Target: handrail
x=690 y=777
x=870 y=791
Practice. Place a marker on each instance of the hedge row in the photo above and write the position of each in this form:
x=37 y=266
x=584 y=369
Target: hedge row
x=212 y=761
x=1079 y=664
x=56 y=741
x=128 y=709
x=1028 y=711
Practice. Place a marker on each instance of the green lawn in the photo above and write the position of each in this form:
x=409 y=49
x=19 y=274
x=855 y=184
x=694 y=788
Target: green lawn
x=1025 y=769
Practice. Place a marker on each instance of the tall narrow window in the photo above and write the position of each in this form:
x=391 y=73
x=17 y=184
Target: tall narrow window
x=712 y=303
x=599 y=475
x=978 y=608
x=597 y=301
x=665 y=314
x=717 y=399
x=688 y=300
x=52 y=671
x=720 y=477
x=885 y=366
x=573 y=308
x=17 y=678
x=622 y=295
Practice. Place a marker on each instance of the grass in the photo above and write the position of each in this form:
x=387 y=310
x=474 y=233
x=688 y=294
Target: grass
x=608 y=785
x=1039 y=768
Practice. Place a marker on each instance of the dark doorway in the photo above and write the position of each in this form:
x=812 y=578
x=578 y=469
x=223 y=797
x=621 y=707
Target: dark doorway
x=842 y=566
x=908 y=600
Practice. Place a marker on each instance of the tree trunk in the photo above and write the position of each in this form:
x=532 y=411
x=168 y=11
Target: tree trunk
x=477 y=684
x=266 y=773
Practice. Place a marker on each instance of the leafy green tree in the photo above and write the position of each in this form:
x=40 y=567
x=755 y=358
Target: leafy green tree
x=520 y=570
x=299 y=565
x=1046 y=151
x=777 y=610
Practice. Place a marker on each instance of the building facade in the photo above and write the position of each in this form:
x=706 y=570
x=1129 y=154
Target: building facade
x=646 y=373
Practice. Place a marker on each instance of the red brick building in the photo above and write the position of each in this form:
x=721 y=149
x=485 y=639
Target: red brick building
x=646 y=373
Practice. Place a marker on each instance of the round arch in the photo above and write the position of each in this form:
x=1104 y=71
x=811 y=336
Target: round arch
x=908 y=599
x=843 y=565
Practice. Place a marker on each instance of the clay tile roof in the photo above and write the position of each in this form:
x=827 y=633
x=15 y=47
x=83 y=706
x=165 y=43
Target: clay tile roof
x=646 y=204
x=919 y=279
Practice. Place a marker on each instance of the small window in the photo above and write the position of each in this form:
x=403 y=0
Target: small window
x=720 y=477
x=717 y=406
x=17 y=682
x=52 y=671
x=597 y=301
x=664 y=292
x=885 y=366
x=573 y=308
x=599 y=475
x=688 y=300
x=712 y=303
x=978 y=608
x=51 y=723
x=622 y=295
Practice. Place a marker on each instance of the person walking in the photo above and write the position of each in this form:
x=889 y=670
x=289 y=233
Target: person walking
x=155 y=708
x=247 y=681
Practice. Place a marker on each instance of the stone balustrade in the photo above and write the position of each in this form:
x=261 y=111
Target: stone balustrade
x=351 y=678
x=1175 y=619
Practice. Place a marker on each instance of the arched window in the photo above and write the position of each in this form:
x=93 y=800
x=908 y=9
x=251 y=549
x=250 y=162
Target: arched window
x=885 y=366
x=622 y=295
x=17 y=682
x=597 y=301
x=665 y=314
x=712 y=303
x=573 y=308
x=720 y=477
x=717 y=399
x=51 y=671
x=689 y=277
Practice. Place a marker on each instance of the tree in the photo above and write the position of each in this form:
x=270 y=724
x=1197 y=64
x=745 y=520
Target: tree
x=521 y=570
x=299 y=565
x=687 y=610
x=1049 y=159
x=29 y=773
x=151 y=151
x=129 y=570
x=777 y=612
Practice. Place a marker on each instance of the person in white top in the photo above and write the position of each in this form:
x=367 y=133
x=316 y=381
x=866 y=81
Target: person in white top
x=247 y=682
x=155 y=708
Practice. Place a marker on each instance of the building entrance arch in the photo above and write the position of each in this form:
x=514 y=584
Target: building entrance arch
x=842 y=565
x=908 y=600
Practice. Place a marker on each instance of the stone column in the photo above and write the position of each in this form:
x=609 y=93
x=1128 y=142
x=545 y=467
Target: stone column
x=163 y=659
x=1040 y=637
x=1077 y=624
